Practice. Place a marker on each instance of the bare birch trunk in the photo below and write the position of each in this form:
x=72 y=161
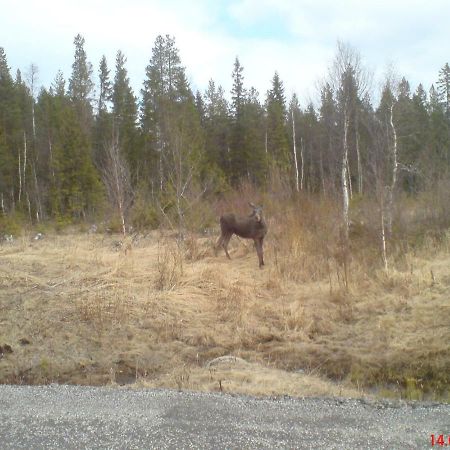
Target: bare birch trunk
x=358 y=157
x=117 y=180
x=160 y=172
x=391 y=188
x=294 y=151
x=346 y=202
x=345 y=178
x=119 y=197
x=33 y=121
x=383 y=237
x=24 y=159
x=20 y=178
x=118 y=185
x=302 y=165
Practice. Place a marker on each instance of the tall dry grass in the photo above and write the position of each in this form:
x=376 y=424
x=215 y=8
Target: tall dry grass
x=158 y=307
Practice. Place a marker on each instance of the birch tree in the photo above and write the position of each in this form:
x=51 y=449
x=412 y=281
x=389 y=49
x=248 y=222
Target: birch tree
x=116 y=178
x=350 y=80
x=294 y=111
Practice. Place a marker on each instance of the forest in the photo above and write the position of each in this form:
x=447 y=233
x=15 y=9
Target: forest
x=91 y=148
x=127 y=188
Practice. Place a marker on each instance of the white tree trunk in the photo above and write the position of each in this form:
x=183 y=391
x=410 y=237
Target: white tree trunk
x=20 y=178
x=302 y=160
x=294 y=148
x=116 y=177
x=391 y=188
x=345 y=178
x=24 y=159
x=358 y=156
x=383 y=238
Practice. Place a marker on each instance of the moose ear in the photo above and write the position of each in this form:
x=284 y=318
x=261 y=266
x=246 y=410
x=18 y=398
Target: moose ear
x=251 y=204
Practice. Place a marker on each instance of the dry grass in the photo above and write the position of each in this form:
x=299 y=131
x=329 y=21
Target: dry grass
x=91 y=309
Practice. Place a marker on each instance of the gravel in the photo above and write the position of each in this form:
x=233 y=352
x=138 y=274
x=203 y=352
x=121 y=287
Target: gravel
x=76 y=417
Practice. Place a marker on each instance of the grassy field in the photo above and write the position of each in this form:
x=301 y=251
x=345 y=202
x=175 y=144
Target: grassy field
x=98 y=309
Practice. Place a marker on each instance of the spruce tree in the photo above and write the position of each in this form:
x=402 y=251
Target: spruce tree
x=439 y=135
x=11 y=136
x=277 y=137
x=81 y=86
x=103 y=120
x=238 y=167
x=328 y=134
x=254 y=138
x=105 y=88
x=170 y=124
x=217 y=128
x=125 y=116
x=443 y=87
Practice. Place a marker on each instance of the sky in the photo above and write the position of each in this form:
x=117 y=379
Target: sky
x=296 y=38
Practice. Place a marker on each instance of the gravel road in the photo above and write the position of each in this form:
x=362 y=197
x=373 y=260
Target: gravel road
x=74 y=417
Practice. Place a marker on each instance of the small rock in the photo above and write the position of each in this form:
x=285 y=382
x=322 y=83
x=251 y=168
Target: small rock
x=24 y=341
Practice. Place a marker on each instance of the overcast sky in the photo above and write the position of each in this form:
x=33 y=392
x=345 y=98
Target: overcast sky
x=295 y=37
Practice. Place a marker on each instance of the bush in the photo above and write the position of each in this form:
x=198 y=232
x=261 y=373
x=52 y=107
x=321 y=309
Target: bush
x=11 y=224
x=144 y=216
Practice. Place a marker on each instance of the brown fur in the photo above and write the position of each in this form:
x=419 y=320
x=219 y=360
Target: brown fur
x=251 y=227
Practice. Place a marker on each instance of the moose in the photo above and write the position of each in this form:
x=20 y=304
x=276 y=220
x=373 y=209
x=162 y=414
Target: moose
x=251 y=227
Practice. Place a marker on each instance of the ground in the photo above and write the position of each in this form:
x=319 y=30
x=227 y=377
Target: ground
x=99 y=309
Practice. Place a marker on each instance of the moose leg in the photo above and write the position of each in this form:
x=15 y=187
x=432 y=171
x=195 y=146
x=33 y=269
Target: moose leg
x=225 y=241
x=259 y=251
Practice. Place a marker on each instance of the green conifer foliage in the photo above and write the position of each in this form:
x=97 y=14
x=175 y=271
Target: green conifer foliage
x=125 y=117
x=443 y=87
x=277 y=136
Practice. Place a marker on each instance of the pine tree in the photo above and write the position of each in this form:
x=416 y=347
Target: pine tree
x=81 y=86
x=238 y=167
x=72 y=181
x=105 y=88
x=103 y=121
x=237 y=92
x=171 y=125
x=254 y=138
x=439 y=146
x=277 y=138
x=200 y=106
x=165 y=86
x=443 y=87
x=217 y=128
x=328 y=135
x=421 y=128
x=405 y=124
x=11 y=137
x=125 y=116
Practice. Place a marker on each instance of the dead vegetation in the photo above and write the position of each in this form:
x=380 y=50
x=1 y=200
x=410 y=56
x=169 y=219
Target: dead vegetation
x=89 y=308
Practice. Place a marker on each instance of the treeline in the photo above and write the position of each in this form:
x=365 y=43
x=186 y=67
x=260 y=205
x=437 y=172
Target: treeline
x=89 y=145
